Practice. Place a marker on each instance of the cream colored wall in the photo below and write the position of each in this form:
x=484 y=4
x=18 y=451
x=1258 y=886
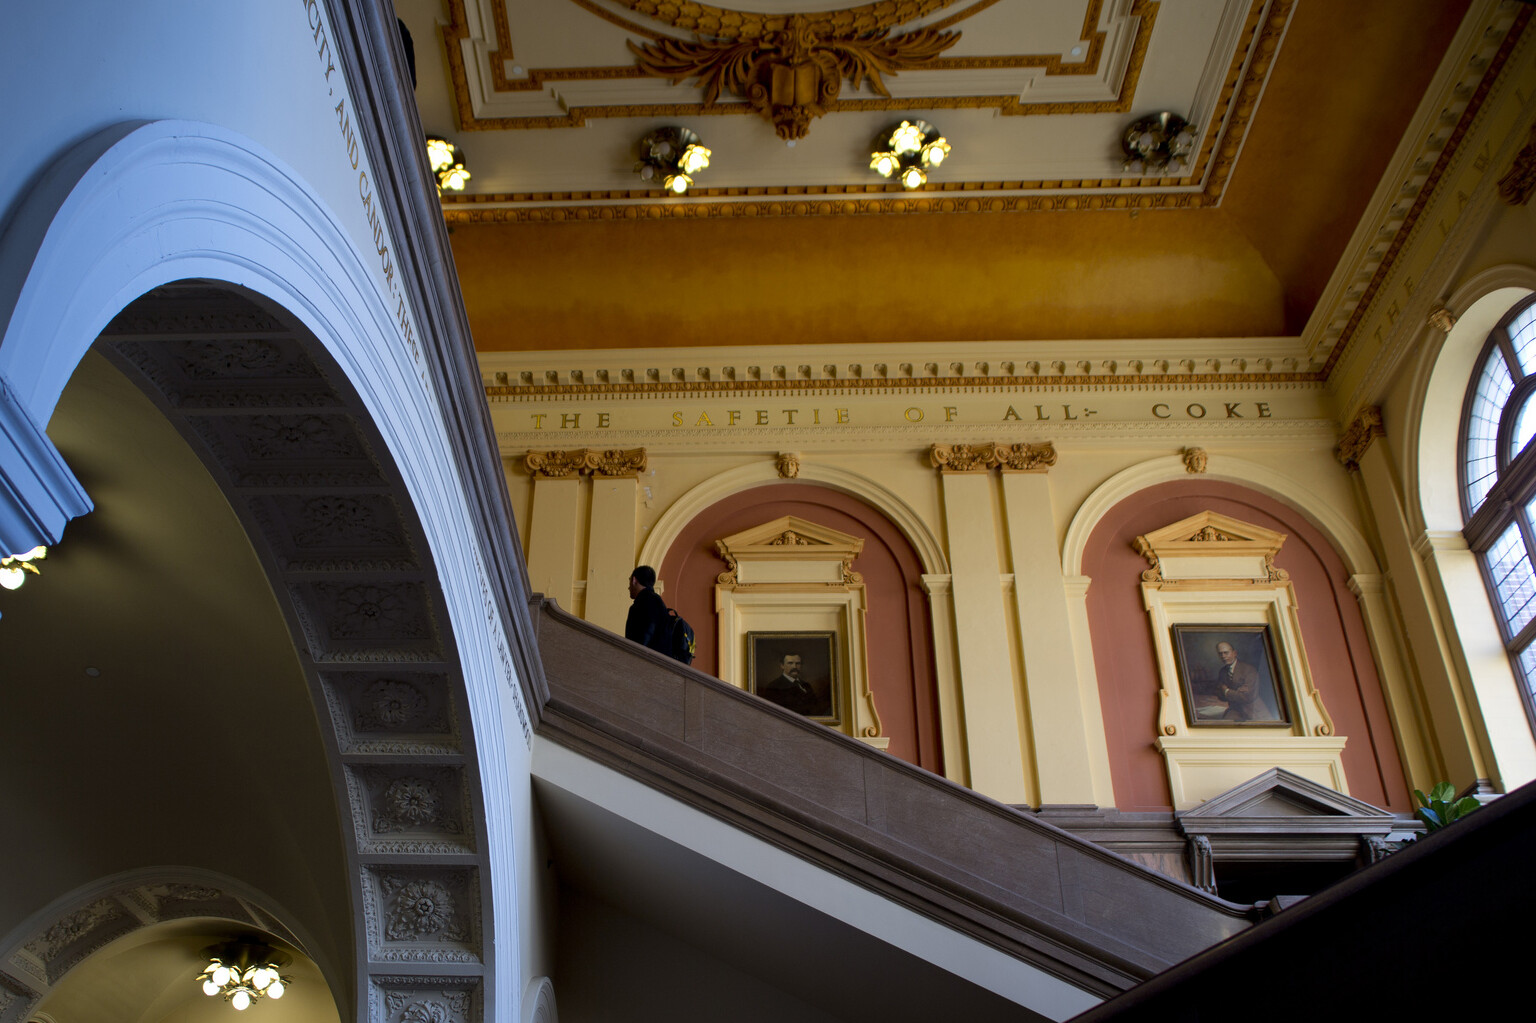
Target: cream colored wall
x=1018 y=694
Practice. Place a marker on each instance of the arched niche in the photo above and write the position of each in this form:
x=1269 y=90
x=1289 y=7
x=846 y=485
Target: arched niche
x=1329 y=622
x=898 y=623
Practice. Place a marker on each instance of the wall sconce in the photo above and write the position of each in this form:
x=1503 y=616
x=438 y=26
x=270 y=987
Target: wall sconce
x=243 y=973
x=447 y=162
x=671 y=157
x=14 y=569
x=1157 y=144
x=906 y=151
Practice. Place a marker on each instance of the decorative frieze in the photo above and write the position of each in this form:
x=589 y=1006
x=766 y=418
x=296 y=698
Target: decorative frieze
x=604 y=463
x=1352 y=446
x=984 y=457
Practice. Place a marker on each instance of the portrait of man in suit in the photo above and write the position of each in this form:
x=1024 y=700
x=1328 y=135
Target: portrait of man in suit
x=1228 y=675
x=795 y=671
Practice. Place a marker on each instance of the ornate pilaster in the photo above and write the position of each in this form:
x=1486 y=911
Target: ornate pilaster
x=1352 y=446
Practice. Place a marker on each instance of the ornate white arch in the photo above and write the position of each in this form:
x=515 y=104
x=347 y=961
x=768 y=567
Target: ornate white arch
x=145 y=204
x=686 y=508
x=1284 y=488
x=1439 y=389
x=42 y=949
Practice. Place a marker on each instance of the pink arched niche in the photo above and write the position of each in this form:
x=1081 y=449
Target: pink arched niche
x=1332 y=629
x=900 y=655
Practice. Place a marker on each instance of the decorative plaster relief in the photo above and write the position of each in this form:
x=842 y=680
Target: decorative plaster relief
x=981 y=457
x=423 y=1000
x=422 y=915
x=395 y=712
x=415 y=808
x=609 y=463
x=1366 y=427
x=788 y=465
x=1195 y=460
x=1519 y=182
x=387 y=620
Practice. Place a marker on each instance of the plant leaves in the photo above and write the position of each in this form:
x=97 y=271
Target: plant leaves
x=1443 y=793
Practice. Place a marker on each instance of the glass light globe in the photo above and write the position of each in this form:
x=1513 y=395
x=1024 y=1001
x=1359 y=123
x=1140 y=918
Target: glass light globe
x=935 y=152
x=677 y=184
x=913 y=177
x=455 y=178
x=885 y=164
x=907 y=138
x=694 y=159
x=261 y=977
x=241 y=1001
x=276 y=988
x=221 y=975
x=11 y=577
x=439 y=153
x=210 y=988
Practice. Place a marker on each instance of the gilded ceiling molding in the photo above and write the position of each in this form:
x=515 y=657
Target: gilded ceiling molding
x=1352 y=446
x=1195 y=460
x=726 y=24
x=984 y=457
x=791 y=75
x=1517 y=184
x=602 y=463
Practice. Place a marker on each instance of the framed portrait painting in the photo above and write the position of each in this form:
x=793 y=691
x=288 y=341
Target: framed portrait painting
x=1229 y=676
x=796 y=670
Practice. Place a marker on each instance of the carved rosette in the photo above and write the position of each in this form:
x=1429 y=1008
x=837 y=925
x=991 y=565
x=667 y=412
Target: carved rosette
x=791 y=75
x=1366 y=428
x=982 y=457
x=607 y=463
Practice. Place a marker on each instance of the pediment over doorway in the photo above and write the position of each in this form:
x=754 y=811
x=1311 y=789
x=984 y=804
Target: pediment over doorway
x=790 y=549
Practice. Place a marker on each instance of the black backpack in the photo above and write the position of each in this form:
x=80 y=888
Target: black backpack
x=681 y=645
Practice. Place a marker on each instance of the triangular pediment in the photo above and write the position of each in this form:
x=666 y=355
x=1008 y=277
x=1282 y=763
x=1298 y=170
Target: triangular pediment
x=791 y=531
x=1279 y=796
x=1211 y=529
x=1211 y=545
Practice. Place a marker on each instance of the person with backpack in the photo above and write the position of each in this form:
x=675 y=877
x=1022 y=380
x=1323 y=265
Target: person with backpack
x=651 y=623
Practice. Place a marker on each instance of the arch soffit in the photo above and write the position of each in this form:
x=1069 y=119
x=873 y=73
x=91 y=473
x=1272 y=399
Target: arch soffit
x=688 y=507
x=40 y=951
x=166 y=201
x=1439 y=388
x=1346 y=539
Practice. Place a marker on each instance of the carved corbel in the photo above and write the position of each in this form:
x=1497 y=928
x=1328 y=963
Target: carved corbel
x=1365 y=428
x=1202 y=864
x=1026 y=457
x=962 y=457
x=554 y=465
x=615 y=462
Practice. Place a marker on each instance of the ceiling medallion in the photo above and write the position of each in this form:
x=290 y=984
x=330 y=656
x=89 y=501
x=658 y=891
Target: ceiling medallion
x=791 y=76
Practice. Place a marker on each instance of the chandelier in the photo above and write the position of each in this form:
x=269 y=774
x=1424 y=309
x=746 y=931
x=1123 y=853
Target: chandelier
x=1157 y=144
x=243 y=973
x=671 y=157
x=447 y=162
x=14 y=569
x=907 y=151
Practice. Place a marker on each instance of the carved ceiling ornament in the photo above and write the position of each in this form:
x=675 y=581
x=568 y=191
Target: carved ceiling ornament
x=788 y=464
x=791 y=74
x=1181 y=552
x=1519 y=182
x=1367 y=426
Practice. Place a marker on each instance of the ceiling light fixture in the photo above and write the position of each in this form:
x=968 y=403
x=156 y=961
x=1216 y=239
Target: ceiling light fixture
x=1158 y=144
x=670 y=157
x=447 y=162
x=14 y=569
x=243 y=973
x=907 y=152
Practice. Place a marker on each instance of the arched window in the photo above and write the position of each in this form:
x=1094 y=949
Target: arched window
x=1498 y=483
